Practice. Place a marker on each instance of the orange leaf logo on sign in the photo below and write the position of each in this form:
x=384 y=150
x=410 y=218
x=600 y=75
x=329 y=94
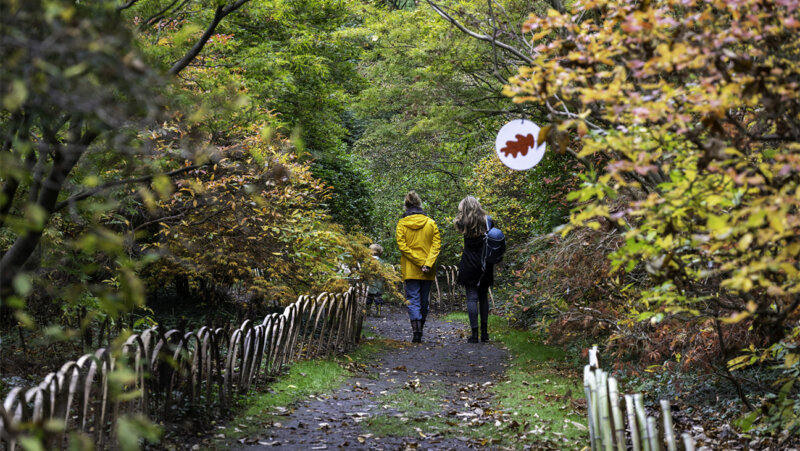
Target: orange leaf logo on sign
x=520 y=146
x=516 y=145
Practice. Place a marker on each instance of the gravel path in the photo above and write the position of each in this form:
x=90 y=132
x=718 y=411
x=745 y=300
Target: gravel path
x=444 y=380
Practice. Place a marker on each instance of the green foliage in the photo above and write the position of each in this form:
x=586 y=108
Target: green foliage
x=263 y=212
x=415 y=406
x=350 y=202
x=131 y=429
x=78 y=94
x=689 y=128
x=549 y=378
x=302 y=380
x=290 y=65
x=781 y=408
x=528 y=203
x=430 y=109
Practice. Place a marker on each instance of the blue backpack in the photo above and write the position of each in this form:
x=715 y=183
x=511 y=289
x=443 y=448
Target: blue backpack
x=494 y=245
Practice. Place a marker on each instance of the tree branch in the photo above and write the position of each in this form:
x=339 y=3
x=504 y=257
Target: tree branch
x=100 y=188
x=219 y=14
x=773 y=137
x=481 y=37
x=64 y=160
x=12 y=183
x=160 y=15
x=161 y=219
x=127 y=5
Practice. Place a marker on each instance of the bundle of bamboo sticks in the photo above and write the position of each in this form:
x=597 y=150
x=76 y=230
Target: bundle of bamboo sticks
x=607 y=428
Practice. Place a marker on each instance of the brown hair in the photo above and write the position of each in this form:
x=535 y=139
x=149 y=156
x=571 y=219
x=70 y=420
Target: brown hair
x=471 y=219
x=413 y=200
x=376 y=249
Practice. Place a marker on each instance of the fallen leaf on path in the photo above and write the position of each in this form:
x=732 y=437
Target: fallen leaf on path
x=576 y=424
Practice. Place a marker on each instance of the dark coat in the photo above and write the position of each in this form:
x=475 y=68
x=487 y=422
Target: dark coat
x=469 y=270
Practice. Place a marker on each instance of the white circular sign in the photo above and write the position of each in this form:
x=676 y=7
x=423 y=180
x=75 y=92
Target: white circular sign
x=516 y=145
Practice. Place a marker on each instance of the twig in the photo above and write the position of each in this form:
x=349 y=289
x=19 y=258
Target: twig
x=98 y=189
x=219 y=14
x=127 y=5
x=481 y=37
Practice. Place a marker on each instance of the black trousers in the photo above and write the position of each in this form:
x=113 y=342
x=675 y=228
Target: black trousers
x=477 y=298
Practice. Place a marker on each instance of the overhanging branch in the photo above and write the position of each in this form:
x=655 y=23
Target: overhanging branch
x=127 y=5
x=481 y=37
x=219 y=14
x=100 y=188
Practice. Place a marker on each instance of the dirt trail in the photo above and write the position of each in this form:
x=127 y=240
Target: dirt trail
x=413 y=396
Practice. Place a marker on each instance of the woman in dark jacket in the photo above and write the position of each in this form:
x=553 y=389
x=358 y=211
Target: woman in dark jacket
x=471 y=222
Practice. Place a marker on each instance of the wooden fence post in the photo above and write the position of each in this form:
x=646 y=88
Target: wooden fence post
x=607 y=423
x=182 y=368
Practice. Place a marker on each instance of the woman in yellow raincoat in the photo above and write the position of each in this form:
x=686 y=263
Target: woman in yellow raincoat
x=419 y=242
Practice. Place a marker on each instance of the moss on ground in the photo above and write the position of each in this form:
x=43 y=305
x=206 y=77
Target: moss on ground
x=413 y=413
x=265 y=406
x=541 y=392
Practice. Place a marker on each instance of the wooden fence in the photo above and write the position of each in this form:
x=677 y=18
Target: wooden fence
x=449 y=296
x=173 y=370
x=607 y=424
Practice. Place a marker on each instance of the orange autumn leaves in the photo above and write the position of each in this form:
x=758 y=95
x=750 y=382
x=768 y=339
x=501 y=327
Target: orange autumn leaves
x=612 y=55
x=691 y=109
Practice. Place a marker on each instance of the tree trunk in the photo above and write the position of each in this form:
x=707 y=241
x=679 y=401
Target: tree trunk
x=65 y=159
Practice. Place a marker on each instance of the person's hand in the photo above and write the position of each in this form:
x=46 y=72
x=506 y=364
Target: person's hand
x=426 y=269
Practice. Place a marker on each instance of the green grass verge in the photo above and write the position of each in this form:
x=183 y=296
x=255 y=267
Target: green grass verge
x=263 y=407
x=540 y=390
x=413 y=414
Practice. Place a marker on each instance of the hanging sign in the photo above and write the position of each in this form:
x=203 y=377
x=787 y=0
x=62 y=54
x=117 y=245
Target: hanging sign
x=516 y=145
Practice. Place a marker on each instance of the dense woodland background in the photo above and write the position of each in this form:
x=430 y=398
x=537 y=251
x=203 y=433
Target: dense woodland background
x=185 y=162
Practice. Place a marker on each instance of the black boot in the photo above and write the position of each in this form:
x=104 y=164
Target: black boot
x=421 y=327
x=474 y=337
x=417 y=335
x=484 y=333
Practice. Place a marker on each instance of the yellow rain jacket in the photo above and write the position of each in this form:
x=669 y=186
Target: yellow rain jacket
x=419 y=242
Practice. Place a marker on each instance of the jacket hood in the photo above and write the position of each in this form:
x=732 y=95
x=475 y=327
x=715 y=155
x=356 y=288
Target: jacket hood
x=414 y=222
x=413 y=211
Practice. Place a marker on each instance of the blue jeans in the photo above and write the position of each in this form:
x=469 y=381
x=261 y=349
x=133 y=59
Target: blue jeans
x=417 y=292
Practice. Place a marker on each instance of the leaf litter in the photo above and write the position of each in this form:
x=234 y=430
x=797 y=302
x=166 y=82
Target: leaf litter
x=436 y=395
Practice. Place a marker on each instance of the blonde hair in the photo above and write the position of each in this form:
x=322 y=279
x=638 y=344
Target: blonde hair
x=471 y=219
x=413 y=200
x=376 y=249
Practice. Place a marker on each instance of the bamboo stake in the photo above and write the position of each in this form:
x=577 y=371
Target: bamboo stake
x=598 y=437
x=652 y=432
x=593 y=360
x=642 y=421
x=688 y=441
x=587 y=377
x=616 y=412
x=637 y=446
x=669 y=433
x=604 y=410
x=438 y=293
